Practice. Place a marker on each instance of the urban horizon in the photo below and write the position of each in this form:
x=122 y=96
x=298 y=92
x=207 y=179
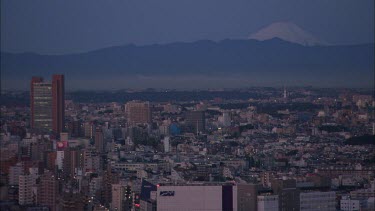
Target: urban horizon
x=216 y=106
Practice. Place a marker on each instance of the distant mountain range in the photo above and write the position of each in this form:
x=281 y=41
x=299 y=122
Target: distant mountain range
x=226 y=63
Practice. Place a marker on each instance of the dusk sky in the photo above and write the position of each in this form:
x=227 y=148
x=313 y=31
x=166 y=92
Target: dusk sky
x=68 y=26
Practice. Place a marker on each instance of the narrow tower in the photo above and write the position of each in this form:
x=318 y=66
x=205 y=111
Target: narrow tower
x=58 y=103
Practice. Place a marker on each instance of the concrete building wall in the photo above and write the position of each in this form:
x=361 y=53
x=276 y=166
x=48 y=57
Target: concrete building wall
x=25 y=192
x=247 y=197
x=311 y=201
x=268 y=203
x=171 y=198
x=117 y=197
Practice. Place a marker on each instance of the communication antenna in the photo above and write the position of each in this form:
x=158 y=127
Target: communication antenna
x=197 y=128
x=285 y=93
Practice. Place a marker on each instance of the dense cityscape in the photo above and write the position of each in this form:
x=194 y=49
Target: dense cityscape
x=283 y=148
x=187 y=105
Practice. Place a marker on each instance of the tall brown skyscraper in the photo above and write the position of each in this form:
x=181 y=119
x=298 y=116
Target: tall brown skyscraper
x=138 y=112
x=58 y=103
x=99 y=140
x=47 y=103
x=47 y=191
x=73 y=159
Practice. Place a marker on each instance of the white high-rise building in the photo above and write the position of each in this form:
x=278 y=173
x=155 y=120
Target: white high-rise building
x=25 y=191
x=14 y=173
x=164 y=129
x=34 y=172
x=167 y=145
x=225 y=119
x=349 y=204
x=285 y=93
x=59 y=159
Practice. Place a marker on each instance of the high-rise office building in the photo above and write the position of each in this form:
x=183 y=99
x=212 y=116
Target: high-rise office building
x=14 y=172
x=41 y=104
x=47 y=191
x=268 y=202
x=288 y=194
x=109 y=178
x=91 y=160
x=75 y=128
x=247 y=197
x=99 y=140
x=118 y=196
x=25 y=193
x=88 y=129
x=73 y=161
x=317 y=200
x=196 y=121
x=58 y=103
x=138 y=112
x=47 y=104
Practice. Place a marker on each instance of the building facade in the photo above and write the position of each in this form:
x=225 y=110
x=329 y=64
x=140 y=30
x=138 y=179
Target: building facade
x=48 y=191
x=288 y=194
x=47 y=103
x=58 y=103
x=118 y=194
x=196 y=121
x=196 y=197
x=25 y=193
x=268 y=203
x=317 y=200
x=138 y=112
x=99 y=140
x=41 y=104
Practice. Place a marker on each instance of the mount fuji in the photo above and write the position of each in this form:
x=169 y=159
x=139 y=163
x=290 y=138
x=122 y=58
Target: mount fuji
x=287 y=31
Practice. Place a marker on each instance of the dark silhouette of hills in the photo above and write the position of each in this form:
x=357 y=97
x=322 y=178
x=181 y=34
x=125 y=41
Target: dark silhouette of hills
x=272 y=58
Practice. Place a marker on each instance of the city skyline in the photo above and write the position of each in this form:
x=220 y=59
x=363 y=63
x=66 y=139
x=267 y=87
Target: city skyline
x=257 y=149
x=187 y=105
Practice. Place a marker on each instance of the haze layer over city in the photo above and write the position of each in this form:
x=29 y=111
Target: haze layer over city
x=187 y=105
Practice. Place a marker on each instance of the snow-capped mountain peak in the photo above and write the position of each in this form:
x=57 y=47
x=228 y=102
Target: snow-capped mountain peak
x=287 y=31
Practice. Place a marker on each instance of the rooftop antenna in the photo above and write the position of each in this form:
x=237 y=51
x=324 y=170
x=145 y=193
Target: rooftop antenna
x=197 y=129
x=284 y=92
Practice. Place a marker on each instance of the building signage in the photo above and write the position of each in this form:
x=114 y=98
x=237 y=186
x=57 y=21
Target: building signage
x=166 y=193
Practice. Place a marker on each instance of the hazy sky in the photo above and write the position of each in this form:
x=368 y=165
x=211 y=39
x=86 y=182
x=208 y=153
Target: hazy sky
x=66 y=26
